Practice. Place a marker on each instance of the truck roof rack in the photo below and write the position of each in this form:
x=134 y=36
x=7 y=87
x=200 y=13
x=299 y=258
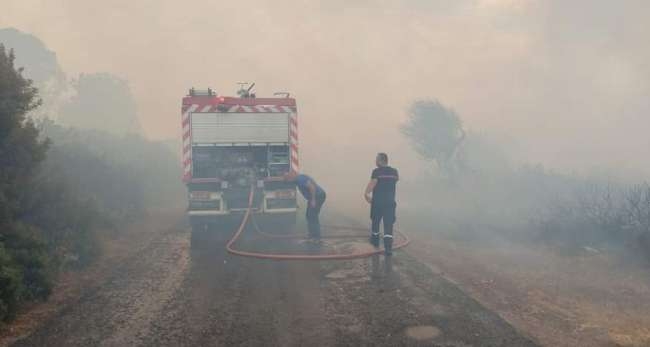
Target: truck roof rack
x=202 y=92
x=283 y=94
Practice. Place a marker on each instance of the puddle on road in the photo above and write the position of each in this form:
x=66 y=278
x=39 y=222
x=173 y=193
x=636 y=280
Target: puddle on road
x=422 y=332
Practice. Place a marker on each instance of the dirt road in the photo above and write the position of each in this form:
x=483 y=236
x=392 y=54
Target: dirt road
x=168 y=295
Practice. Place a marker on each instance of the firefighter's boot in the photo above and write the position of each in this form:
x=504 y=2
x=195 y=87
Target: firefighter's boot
x=374 y=239
x=388 y=245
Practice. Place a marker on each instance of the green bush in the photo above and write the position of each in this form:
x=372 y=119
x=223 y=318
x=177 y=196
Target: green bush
x=10 y=284
x=29 y=252
x=59 y=186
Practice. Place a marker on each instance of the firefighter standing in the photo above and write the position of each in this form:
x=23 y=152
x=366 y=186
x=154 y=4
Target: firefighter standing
x=315 y=196
x=380 y=193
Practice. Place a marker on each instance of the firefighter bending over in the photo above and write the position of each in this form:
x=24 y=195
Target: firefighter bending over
x=315 y=196
x=380 y=193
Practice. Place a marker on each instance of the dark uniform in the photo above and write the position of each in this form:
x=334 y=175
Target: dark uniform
x=313 y=222
x=383 y=205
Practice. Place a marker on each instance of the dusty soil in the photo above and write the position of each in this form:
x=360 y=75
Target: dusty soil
x=119 y=248
x=167 y=294
x=589 y=299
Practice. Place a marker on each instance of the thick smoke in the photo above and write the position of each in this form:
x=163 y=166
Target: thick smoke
x=561 y=83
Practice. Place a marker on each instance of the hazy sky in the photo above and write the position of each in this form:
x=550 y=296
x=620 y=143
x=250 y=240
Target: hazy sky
x=565 y=83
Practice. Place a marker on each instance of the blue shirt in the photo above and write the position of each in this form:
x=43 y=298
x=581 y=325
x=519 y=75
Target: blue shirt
x=302 y=181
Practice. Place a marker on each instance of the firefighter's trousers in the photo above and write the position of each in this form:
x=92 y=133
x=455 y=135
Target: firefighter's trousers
x=383 y=212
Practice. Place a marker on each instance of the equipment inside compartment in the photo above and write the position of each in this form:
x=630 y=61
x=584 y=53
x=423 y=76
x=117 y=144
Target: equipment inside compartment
x=242 y=164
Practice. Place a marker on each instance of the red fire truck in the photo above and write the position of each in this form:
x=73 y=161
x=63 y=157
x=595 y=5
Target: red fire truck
x=231 y=144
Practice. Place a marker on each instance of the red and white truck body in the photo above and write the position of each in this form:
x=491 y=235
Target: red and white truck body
x=231 y=144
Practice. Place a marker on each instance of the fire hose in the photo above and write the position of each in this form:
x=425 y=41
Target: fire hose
x=278 y=256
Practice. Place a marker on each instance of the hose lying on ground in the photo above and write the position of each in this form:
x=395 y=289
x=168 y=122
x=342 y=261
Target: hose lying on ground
x=277 y=256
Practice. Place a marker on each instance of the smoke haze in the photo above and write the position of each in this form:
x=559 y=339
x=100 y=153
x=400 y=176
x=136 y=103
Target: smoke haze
x=561 y=83
x=532 y=205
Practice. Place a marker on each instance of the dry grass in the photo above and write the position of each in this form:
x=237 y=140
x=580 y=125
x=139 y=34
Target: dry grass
x=593 y=299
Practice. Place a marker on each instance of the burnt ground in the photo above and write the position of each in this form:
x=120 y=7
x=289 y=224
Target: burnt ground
x=170 y=295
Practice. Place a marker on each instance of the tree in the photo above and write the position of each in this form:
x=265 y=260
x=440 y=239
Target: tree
x=54 y=198
x=102 y=102
x=20 y=147
x=41 y=66
x=435 y=131
x=23 y=262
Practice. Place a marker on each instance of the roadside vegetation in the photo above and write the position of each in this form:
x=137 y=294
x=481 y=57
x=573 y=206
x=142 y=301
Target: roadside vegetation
x=62 y=187
x=474 y=189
